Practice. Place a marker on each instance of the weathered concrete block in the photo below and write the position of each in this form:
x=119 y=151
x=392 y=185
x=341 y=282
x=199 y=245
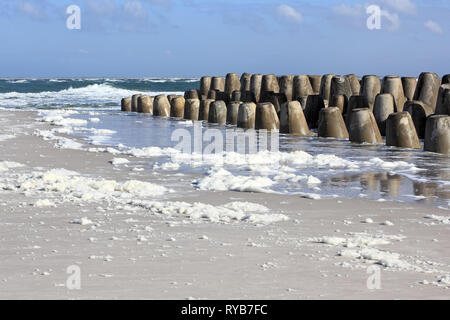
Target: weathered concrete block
x=314 y=103
x=363 y=127
x=400 y=131
x=419 y=112
x=383 y=107
x=145 y=104
x=246 y=82
x=191 y=109
x=370 y=88
x=427 y=89
x=409 y=87
x=302 y=87
x=437 y=134
x=354 y=84
x=315 y=82
x=212 y=94
x=248 y=96
x=218 y=112
x=205 y=85
x=443 y=101
x=126 y=104
x=266 y=117
x=170 y=97
x=191 y=94
x=232 y=112
x=218 y=83
x=287 y=86
x=340 y=101
x=325 y=86
x=204 y=109
x=277 y=99
x=236 y=96
x=255 y=85
x=340 y=85
x=292 y=119
x=134 y=102
x=177 y=107
x=232 y=83
x=246 y=115
x=161 y=106
x=270 y=83
x=355 y=102
x=445 y=79
x=222 y=96
x=331 y=124
x=394 y=86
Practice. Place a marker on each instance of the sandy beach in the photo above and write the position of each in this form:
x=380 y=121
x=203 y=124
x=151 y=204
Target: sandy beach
x=161 y=238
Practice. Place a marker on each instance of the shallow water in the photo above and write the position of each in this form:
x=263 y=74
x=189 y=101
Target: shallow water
x=325 y=168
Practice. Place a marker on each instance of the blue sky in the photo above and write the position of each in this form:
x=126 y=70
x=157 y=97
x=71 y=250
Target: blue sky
x=141 y=38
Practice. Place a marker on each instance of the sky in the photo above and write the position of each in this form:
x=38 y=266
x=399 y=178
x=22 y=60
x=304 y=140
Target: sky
x=191 y=38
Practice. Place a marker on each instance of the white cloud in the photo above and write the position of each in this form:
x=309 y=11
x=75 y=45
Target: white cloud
x=433 y=27
x=30 y=9
x=404 y=6
x=134 y=9
x=392 y=18
x=289 y=14
x=355 y=12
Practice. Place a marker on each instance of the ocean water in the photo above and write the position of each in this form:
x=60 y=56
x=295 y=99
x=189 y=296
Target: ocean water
x=304 y=166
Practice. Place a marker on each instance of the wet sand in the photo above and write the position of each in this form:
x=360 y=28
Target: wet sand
x=130 y=252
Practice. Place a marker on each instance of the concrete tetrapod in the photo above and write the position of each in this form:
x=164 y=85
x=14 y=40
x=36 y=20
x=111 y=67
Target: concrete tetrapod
x=437 y=134
x=394 y=86
x=217 y=112
x=270 y=83
x=400 y=131
x=315 y=82
x=191 y=94
x=325 y=87
x=246 y=115
x=331 y=124
x=177 y=107
x=383 y=107
x=134 y=102
x=370 y=87
x=292 y=119
x=161 y=106
x=232 y=112
x=266 y=117
x=354 y=84
x=145 y=104
x=191 y=109
x=301 y=87
x=218 y=83
x=125 y=104
x=443 y=102
x=246 y=82
x=339 y=101
x=255 y=85
x=340 y=85
x=205 y=85
x=363 y=128
x=355 y=102
x=419 y=112
x=409 y=87
x=232 y=83
x=287 y=86
x=204 y=109
x=427 y=89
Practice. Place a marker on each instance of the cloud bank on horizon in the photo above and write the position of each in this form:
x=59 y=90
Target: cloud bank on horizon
x=195 y=37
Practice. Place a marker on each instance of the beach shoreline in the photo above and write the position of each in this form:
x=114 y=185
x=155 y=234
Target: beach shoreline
x=322 y=251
